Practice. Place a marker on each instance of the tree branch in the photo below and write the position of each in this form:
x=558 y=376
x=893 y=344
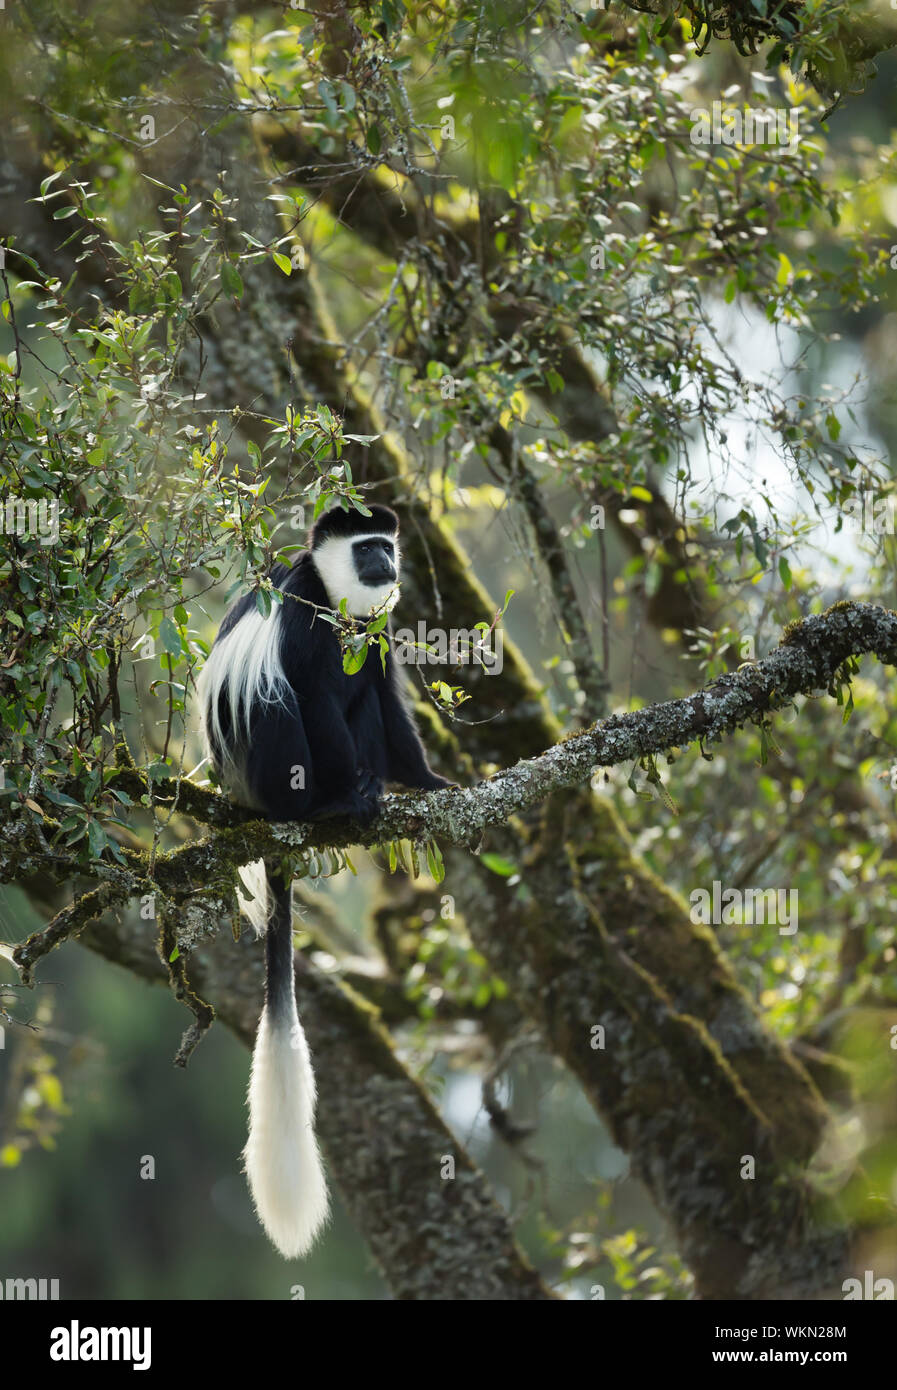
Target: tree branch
x=810 y=657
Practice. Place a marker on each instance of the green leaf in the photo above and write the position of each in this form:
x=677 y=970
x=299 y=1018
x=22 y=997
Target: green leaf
x=498 y=865
x=785 y=572
x=435 y=862
x=171 y=284
x=170 y=637
x=231 y=280
x=59 y=798
x=760 y=549
x=96 y=838
x=354 y=660
x=283 y=262
x=326 y=93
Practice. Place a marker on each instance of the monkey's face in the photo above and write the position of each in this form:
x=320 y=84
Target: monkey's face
x=363 y=570
x=375 y=561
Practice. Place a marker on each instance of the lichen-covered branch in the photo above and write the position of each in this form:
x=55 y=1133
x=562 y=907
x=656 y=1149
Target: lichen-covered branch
x=68 y=923
x=810 y=657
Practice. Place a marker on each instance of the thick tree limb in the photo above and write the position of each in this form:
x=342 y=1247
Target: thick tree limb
x=808 y=659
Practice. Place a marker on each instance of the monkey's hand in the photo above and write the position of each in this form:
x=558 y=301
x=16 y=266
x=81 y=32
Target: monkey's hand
x=430 y=781
x=369 y=785
x=362 y=803
x=358 y=807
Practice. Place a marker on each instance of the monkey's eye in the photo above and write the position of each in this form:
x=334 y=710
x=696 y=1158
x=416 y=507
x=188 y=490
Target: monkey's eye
x=365 y=547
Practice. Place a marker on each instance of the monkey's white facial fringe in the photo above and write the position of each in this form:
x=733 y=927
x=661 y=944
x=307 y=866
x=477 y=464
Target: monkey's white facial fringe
x=334 y=562
x=243 y=670
x=283 y=1165
x=257 y=907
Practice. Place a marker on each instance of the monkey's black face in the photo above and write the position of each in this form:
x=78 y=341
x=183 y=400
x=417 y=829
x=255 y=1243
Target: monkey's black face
x=362 y=569
x=374 y=559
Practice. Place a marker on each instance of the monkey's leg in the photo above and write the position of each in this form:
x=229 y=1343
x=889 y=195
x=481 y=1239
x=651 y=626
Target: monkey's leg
x=279 y=767
x=337 y=784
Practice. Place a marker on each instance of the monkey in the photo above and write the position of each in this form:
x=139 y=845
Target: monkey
x=289 y=734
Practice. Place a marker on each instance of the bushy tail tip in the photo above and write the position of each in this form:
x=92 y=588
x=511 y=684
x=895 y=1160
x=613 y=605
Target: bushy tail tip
x=283 y=1165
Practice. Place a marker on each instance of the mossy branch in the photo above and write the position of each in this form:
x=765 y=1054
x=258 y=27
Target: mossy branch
x=811 y=657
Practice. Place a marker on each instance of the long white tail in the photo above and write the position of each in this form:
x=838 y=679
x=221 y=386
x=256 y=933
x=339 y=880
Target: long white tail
x=283 y=1165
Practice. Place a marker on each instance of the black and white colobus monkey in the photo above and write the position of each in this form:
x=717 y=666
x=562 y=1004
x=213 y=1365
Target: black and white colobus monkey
x=291 y=735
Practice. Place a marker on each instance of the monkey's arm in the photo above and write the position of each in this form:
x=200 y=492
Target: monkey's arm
x=406 y=758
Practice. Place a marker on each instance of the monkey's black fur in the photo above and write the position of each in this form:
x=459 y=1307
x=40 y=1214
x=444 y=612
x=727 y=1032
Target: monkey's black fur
x=349 y=734
x=313 y=742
